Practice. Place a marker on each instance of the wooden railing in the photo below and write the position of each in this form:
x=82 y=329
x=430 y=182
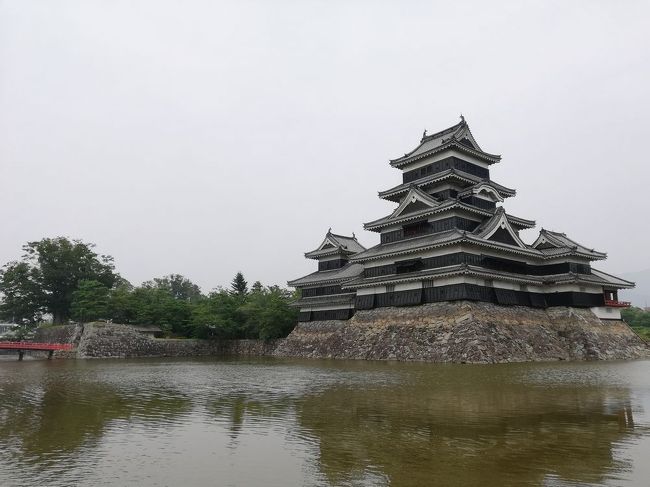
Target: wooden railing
x=617 y=304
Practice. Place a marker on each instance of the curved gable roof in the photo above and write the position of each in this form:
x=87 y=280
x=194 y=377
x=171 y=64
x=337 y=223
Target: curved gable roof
x=458 y=135
x=555 y=242
x=414 y=196
x=499 y=223
x=334 y=244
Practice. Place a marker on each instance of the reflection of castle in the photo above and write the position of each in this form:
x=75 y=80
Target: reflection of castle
x=459 y=431
x=448 y=240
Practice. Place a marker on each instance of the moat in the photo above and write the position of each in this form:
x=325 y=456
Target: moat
x=290 y=422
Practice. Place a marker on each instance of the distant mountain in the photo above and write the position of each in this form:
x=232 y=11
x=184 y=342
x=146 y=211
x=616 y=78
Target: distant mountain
x=640 y=295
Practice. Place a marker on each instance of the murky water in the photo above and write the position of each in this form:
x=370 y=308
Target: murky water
x=293 y=423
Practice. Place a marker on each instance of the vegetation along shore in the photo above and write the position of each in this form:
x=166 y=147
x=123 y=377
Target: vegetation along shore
x=65 y=280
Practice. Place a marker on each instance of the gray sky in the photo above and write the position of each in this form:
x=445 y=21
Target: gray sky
x=207 y=137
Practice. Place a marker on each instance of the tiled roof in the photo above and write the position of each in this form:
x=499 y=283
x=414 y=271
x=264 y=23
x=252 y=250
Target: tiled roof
x=414 y=195
x=334 y=244
x=451 y=136
x=348 y=271
x=454 y=270
x=520 y=222
x=613 y=280
x=444 y=206
x=596 y=277
x=409 y=244
x=515 y=221
x=561 y=244
x=349 y=243
x=474 y=181
x=434 y=178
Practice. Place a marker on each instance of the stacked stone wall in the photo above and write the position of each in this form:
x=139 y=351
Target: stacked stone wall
x=463 y=331
x=108 y=340
x=105 y=340
x=58 y=334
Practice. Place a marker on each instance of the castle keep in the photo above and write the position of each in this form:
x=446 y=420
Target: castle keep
x=451 y=239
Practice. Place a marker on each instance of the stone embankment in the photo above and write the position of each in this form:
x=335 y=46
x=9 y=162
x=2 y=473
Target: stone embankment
x=466 y=332
x=108 y=340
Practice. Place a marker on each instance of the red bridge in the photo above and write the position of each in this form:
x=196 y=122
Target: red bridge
x=41 y=347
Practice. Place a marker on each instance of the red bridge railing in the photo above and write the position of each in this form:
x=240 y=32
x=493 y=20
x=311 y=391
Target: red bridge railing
x=617 y=304
x=35 y=346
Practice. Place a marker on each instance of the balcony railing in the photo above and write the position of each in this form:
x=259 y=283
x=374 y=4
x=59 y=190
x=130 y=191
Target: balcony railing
x=617 y=304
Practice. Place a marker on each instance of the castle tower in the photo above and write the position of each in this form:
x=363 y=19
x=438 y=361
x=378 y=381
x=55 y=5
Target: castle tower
x=451 y=239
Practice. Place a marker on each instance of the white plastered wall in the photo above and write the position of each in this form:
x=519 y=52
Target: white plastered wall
x=607 y=313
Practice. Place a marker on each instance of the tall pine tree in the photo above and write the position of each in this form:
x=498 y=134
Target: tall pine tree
x=239 y=286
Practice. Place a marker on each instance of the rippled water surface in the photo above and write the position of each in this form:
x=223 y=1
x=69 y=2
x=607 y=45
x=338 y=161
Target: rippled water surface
x=293 y=423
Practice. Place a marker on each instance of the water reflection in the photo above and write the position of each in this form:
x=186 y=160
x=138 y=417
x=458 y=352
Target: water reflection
x=321 y=423
x=55 y=416
x=470 y=426
x=237 y=410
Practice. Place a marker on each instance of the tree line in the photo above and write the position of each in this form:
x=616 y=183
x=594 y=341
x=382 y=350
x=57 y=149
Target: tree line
x=639 y=319
x=67 y=280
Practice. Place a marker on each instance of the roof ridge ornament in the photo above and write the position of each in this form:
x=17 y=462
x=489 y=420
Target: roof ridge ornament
x=462 y=119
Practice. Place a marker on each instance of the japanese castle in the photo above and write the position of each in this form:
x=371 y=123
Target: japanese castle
x=450 y=239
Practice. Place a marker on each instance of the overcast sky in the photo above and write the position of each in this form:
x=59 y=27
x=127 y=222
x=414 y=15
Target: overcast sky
x=207 y=137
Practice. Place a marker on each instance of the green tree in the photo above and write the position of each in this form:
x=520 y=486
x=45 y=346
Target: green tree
x=177 y=286
x=89 y=301
x=51 y=270
x=153 y=306
x=22 y=300
x=218 y=316
x=121 y=307
x=239 y=286
x=269 y=313
x=264 y=313
x=636 y=317
x=167 y=302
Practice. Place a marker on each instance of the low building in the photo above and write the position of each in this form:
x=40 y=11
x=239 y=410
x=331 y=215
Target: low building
x=450 y=238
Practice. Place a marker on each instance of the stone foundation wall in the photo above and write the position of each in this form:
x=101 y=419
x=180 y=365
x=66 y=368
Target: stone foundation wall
x=58 y=334
x=103 y=340
x=463 y=331
x=108 y=340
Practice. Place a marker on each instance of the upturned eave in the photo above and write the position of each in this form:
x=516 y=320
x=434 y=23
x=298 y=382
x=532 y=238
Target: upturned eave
x=450 y=271
x=380 y=223
x=450 y=144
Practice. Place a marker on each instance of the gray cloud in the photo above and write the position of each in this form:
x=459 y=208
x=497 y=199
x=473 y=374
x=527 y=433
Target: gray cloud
x=209 y=137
